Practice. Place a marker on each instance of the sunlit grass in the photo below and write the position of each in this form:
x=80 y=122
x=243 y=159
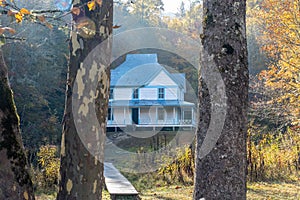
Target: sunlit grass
x=256 y=191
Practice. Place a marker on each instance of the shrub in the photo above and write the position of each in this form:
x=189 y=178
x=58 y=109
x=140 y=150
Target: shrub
x=273 y=156
x=47 y=175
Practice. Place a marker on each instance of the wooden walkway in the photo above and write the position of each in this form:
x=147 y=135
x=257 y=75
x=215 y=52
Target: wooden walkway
x=117 y=185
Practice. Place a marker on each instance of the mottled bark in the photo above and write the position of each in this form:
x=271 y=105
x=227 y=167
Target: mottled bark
x=81 y=171
x=15 y=182
x=221 y=174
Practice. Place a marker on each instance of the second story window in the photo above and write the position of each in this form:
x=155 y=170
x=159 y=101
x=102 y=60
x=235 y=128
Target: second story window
x=111 y=94
x=161 y=93
x=135 y=94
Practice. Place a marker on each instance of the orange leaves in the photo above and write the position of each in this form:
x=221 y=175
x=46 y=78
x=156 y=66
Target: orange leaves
x=24 y=11
x=278 y=23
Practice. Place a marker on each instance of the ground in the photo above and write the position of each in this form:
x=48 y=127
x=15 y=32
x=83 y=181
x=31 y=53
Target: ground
x=256 y=191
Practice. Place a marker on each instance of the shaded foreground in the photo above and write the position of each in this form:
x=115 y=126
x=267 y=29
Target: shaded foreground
x=256 y=191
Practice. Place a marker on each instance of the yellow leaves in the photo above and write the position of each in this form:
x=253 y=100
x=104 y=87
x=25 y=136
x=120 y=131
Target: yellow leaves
x=49 y=162
x=19 y=17
x=278 y=24
x=20 y=14
x=91 y=5
x=2 y=3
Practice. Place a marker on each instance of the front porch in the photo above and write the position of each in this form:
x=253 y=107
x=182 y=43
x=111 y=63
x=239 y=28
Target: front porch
x=151 y=118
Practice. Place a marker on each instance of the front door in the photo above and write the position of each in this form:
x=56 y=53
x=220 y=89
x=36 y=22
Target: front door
x=135 y=116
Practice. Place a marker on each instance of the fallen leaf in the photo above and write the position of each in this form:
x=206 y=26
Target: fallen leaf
x=2 y=30
x=50 y=26
x=11 y=30
x=99 y=2
x=41 y=18
x=10 y=13
x=75 y=10
x=116 y=26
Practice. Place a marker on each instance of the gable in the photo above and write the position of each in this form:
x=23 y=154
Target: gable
x=162 y=79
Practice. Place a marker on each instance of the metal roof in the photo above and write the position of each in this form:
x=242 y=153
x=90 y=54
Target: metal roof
x=139 y=69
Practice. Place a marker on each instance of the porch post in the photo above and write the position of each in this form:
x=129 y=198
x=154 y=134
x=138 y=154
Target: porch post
x=124 y=116
x=192 y=115
x=156 y=115
x=174 y=115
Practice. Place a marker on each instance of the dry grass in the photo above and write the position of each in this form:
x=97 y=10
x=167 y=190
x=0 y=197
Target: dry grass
x=274 y=191
x=256 y=191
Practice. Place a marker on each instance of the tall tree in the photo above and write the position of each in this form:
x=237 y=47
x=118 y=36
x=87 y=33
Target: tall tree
x=81 y=172
x=148 y=11
x=221 y=174
x=15 y=182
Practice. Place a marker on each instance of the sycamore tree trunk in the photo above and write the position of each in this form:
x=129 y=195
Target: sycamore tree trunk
x=221 y=174
x=81 y=171
x=15 y=182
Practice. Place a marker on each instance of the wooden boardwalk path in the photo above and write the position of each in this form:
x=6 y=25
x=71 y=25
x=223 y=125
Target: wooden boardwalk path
x=117 y=185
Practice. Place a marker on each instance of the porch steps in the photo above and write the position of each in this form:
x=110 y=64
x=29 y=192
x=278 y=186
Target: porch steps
x=117 y=185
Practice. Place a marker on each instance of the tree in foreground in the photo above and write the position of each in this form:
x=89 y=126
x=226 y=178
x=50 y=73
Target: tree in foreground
x=15 y=182
x=221 y=174
x=81 y=173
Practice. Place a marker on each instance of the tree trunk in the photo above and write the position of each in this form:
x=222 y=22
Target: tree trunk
x=82 y=150
x=15 y=182
x=221 y=173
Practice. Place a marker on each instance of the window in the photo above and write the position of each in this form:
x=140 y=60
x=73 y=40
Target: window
x=187 y=115
x=111 y=94
x=135 y=94
x=110 y=115
x=161 y=93
x=161 y=114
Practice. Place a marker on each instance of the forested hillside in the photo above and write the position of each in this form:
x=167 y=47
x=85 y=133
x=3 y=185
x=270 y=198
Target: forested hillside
x=37 y=54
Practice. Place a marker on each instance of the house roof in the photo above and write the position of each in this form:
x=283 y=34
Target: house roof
x=139 y=70
x=138 y=103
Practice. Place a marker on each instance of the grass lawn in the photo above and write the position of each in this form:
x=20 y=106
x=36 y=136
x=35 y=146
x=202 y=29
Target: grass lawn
x=256 y=191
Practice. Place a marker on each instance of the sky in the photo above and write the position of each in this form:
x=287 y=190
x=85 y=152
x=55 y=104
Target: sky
x=171 y=5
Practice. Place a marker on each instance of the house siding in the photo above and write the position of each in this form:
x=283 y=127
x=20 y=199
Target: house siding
x=171 y=93
x=162 y=79
x=123 y=93
x=148 y=93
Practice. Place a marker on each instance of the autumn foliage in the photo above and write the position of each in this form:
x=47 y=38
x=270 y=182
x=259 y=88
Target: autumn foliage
x=279 y=35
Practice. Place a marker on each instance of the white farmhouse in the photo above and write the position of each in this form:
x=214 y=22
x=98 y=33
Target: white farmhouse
x=144 y=95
